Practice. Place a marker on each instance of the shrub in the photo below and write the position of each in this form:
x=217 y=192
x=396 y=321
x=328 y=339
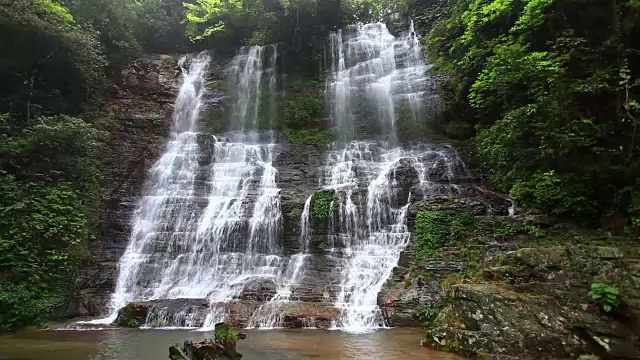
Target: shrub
x=226 y=334
x=435 y=229
x=426 y=315
x=25 y=304
x=605 y=295
x=321 y=205
x=553 y=193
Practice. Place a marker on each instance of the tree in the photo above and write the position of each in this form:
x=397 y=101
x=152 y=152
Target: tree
x=550 y=88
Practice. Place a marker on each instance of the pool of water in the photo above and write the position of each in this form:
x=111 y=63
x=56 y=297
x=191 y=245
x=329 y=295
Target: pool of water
x=260 y=345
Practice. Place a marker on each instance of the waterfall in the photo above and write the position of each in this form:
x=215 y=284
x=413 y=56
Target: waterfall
x=163 y=223
x=208 y=224
x=269 y=315
x=373 y=74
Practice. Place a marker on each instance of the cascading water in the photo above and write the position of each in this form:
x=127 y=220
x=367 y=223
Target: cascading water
x=269 y=315
x=164 y=223
x=373 y=75
x=204 y=232
x=207 y=232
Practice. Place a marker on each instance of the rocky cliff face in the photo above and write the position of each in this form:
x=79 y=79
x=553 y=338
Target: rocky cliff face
x=139 y=116
x=513 y=287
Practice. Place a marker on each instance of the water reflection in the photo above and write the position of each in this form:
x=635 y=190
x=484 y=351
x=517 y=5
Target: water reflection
x=260 y=345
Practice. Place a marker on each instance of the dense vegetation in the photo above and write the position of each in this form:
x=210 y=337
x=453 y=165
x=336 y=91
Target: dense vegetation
x=57 y=60
x=551 y=88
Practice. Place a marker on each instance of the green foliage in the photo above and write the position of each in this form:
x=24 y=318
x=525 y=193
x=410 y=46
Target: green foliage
x=49 y=176
x=304 y=114
x=366 y=11
x=25 y=304
x=427 y=315
x=605 y=295
x=303 y=109
x=552 y=88
x=226 y=334
x=295 y=213
x=205 y=17
x=51 y=64
x=131 y=323
x=435 y=229
x=552 y=193
x=535 y=231
x=309 y=136
x=321 y=205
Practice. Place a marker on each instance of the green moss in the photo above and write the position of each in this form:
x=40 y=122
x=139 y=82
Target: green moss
x=294 y=213
x=217 y=85
x=436 y=229
x=309 y=136
x=211 y=122
x=321 y=205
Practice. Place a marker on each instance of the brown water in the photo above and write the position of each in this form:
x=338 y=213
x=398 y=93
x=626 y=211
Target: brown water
x=259 y=345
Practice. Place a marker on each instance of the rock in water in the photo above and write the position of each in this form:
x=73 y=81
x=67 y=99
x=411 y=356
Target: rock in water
x=223 y=346
x=133 y=315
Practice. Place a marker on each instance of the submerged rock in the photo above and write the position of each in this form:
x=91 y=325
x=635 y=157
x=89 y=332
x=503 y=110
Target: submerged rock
x=222 y=346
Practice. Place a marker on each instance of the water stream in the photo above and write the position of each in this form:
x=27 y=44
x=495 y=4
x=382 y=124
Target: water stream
x=209 y=223
x=373 y=75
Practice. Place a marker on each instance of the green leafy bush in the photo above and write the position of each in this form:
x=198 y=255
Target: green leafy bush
x=426 y=315
x=49 y=176
x=553 y=193
x=552 y=91
x=535 y=231
x=435 y=229
x=605 y=295
x=226 y=334
x=26 y=304
x=321 y=205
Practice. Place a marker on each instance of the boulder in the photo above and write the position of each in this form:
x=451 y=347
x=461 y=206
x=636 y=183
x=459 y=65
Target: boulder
x=492 y=319
x=223 y=346
x=132 y=316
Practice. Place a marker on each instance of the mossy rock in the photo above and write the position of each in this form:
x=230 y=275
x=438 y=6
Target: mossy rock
x=217 y=85
x=132 y=316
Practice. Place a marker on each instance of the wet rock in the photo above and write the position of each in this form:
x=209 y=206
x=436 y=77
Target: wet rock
x=490 y=319
x=535 y=305
x=222 y=347
x=478 y=204
x=140 y=111
x=551 y=257
x=259 y=290
x=132 y=316
x=177 y=312
x=307 y=314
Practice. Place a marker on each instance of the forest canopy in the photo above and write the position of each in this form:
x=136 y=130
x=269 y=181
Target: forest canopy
x=551 y=88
